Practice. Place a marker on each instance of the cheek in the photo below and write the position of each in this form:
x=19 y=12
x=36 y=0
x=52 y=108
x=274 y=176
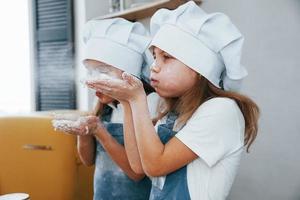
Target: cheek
x=170 y=86
x=178 y=80
x=170 y=80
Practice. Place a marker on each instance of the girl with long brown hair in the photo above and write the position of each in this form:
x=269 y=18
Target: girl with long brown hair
x=203 y=123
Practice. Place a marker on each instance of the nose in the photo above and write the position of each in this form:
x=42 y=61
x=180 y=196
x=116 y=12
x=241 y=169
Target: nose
x=155 y=67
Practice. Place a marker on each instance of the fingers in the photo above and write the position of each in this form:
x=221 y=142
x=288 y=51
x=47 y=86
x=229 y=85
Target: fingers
x=128 y=77
x=91 y=119
x=65 y=116
x=99 y=87
x=67 y=126
x=102 y=87
x=111 y=83
x=82 y=126
x=73 y=129
x=118 y=89
x=105 y=89
x=132 y=80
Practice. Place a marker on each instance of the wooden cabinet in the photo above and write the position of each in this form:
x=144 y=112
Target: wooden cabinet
x=41 y=162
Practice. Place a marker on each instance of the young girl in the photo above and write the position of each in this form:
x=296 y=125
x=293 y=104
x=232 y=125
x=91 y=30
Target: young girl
x=112 y=47
x=194 y=150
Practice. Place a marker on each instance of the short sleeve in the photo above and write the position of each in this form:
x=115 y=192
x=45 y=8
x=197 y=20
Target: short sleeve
x=152 y=100
x=215 y=130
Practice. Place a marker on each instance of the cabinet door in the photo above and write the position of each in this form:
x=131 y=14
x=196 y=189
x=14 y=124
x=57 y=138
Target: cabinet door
x=36 y=160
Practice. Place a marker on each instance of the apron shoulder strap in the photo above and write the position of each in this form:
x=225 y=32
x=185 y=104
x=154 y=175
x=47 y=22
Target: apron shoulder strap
x=106 y=113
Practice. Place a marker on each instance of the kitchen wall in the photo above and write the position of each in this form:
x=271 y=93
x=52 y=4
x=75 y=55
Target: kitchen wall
x=271 y=54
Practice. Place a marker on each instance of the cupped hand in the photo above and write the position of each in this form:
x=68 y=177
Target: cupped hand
x=128 y=89
x=83 y=125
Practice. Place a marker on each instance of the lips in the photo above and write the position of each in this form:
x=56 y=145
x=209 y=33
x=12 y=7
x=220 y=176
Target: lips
x=154 y=82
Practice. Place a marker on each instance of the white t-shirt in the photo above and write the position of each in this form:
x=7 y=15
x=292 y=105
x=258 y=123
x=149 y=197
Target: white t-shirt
x=215 y=133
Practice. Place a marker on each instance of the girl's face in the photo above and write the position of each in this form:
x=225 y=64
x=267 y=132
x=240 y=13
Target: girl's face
x=170 y=77
x=105 y=69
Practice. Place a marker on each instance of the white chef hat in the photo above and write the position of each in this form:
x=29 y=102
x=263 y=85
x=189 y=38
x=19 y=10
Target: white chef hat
x=208 y=43
x=117 y=42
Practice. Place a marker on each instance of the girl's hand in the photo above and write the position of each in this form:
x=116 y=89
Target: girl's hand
x=128 y=89
x=85 y=125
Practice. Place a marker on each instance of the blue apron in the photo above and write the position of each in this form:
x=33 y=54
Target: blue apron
x=175 y=186
x=110 y=182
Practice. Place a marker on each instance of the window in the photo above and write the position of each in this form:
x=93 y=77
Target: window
x=15 y=89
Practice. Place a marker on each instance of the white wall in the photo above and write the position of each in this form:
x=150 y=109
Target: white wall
x=272 y=56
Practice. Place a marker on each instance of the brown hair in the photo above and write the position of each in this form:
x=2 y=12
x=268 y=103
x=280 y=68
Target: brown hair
x=202 y=91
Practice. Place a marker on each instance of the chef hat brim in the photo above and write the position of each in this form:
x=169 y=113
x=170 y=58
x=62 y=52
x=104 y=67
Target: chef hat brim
x=186 y=49
x=114 y=54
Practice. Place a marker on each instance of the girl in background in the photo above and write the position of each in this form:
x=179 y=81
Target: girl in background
x=204 y=123
x=112 y=47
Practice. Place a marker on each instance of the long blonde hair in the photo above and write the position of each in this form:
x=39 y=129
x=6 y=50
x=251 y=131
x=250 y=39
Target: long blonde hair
x=202 y=91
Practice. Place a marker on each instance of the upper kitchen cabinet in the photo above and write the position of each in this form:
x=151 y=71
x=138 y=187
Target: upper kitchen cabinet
x=145 y=9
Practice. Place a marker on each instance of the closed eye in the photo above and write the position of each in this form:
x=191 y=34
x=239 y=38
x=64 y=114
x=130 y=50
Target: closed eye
x=154 y=56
